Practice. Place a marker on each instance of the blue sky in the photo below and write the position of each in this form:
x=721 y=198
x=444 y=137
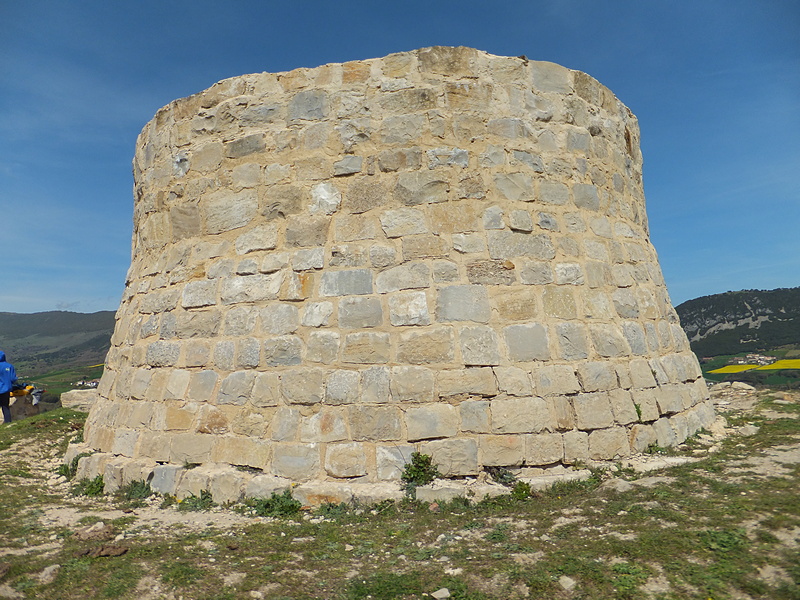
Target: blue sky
x=715 y=85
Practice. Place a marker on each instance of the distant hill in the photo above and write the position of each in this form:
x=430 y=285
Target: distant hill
x=40 y=342
x=746 y=321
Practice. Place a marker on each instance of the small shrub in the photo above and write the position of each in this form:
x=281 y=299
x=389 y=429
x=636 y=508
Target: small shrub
x=498 y=534
x=420 y=471
x=521 y=491
x=195 y=503
x=277 y=505
x=727 y=540
x=89 y=487
x=638 y=412
x=135 y=492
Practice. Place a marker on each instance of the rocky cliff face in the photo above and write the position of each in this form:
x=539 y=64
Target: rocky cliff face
x=742 y=321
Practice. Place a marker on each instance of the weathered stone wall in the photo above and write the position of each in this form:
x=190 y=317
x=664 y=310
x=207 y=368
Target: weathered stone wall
x=440 y=250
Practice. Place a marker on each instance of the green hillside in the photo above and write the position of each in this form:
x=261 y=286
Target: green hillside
x=745 y=321
x=41 y=342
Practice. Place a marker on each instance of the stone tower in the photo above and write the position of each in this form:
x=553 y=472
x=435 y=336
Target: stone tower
x=440 y=250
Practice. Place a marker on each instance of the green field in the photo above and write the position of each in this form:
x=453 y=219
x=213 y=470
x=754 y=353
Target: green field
x=58 y=382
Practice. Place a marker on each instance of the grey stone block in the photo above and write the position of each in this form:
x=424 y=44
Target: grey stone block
x=463 y=303
x=308 y=105
x=358 y=313
x=346 y=282
x=480 y=345
x=298 y=462
x=520 y=415
x=527 y=342
x=403 y=277
x=514 y=244
x=592 y=411
x=454 y=458
x=431 y=421
x=342 y=387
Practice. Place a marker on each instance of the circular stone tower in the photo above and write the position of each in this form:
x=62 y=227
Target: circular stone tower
x=440 y=251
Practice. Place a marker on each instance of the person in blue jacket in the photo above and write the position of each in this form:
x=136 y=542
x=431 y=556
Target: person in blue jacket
x=7 y=378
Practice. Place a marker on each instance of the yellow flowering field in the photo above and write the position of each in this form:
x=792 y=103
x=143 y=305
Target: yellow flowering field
x=793 y=363
x=733 y=369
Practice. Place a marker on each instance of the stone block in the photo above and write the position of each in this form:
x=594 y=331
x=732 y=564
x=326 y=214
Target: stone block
x=250 y=288
x=317 y=314
x=346 y=460
x=165 y=479
x=520 y=415
x=412 y=384
x=424 y=246
x=480 y=345
x=426 y=346
x=305 y=385
x=501 y=450
x=285 y=350
x=597 y=376
x=225 y=211
x=403 y=277
x=202 y=385
x=544 y=449
x=556 y=380
x=236 y=388
x=262 y=237
x=239 y=450
x=346 y=282
x=516 y=304
x=467 y=243
x=475 y=416
x=325 y=197
x=573 y=341
x=642 y=437
x=308 y=259
x=162 y=354
x=359 y=313
x=463 y=303
x=559 y=302
x=348 y=165
x=199 y=293
x=266 y=390
x=191 y=448
x=375 y=385
x=622 y=406
x=125 y=442
x=517 y=187
x=527 y=342
x=375 y=423
x=454 y=458
x=308 y=105
x=665 y=434
x=391 y=460
x=646 y=401
x=366 y=348
x=561 y=411
x=364 y=194
x=520 y=220
x=409 y=308
x=328 y=425
x=608 y=341
x=668 y=398
x=420 y=187
x=609 y=443
x=592 y=411
x=298 y=462
x=476 y=382
x=491 y=272
x=576 y=447
x=513 y=381
x=323 y=347
x=403 y=221
x=431 y=421
x=342 y=387
x=505 y=245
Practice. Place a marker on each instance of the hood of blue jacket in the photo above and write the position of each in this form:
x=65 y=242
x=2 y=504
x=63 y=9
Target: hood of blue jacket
x=2 y=356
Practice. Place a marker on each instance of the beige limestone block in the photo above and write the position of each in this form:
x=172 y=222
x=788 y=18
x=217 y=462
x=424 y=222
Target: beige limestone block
x=453 y=458
x=375 y=423
x=238 y=450
x=366 y=348
x=576 y=447
x=513 y=381
x=191 y=448
x=426 y=346
x=544 y=449
x=478 y=382
x=516 y=304
x=501 y=450
x=520 y=415
x=592 y=411
x=328 y=425
x=179 y=416
x=298 y=462
x=304 y=385
x=562 y=412
x=556 y=380
x=646 y=401
x=642 y=437
x=609 y=443
x=346 y=460
x=622 y=406
x=211 y=419
x=559 y=302
x=411 y=384
x=431 y=421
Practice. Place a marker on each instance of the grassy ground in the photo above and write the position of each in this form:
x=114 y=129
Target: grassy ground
x=725 y=526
